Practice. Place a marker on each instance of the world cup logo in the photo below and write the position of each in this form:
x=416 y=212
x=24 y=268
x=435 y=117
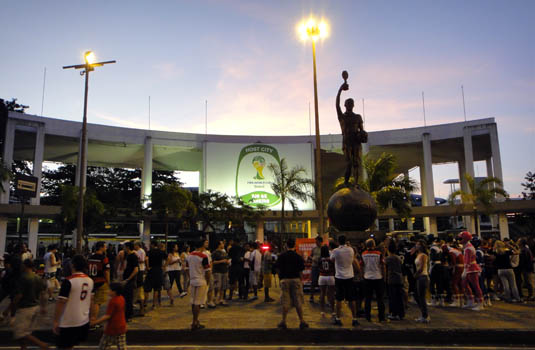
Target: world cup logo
x=259 y=163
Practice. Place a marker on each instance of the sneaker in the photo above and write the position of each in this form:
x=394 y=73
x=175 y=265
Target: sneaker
x=203 y=306
x=282 y=325
x=303 y=325
x=197 y=326
x=337 y=321
x=355 y=323
x=478 y=307
x=470 y=304
x=393 y=318
x=423 y=320
x=183 y=294
x=211 y=305
x=51 y=300
x=253 y=298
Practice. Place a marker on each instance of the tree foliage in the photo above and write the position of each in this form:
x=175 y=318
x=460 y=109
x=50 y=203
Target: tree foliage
x=290 y=185
x=385 y=185
x=529 y=186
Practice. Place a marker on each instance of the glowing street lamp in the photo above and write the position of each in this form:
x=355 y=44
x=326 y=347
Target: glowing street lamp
x=313 y=30
x=88 y=66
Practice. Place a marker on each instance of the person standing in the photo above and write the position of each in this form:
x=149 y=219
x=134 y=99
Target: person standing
x=246 y=272
x=220 y=263
x=256 y=265
x=129 y=278
x=326 y=280
x=73 y=308
x=51 y=268
x=394 y=282
x=139 y=293
x=505 y=270
x=374 y=271
x=99 y=271
x=471 y=273
x=174 y=270
x=526 y=263
x=210 y=297
x=267 y=269
x=422 y=280
x=154 y=279
x=315 y=257
x=29 y=298
x=344 y=260
x=236 y=253
x=291 y=266
x=199 y=272
x=115 y=331
x=185 y=269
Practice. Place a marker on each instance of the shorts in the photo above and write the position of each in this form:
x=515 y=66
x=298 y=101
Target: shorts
x=101 y=294
x=154 y=281
x=198 y=294
x=292 y=293
x=210 y=282
x=24 y=321
x=112 y=341
x=220 y=281
x=344 y=289
x=267 y=280
x=326 y=281
x=71 y=336
x=254 y=277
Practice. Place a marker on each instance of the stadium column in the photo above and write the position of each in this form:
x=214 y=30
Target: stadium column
x=33 y=223
x=468 y=169
x=146 y=188
x=7 y=156
x=260 y=230
x=497 y=168
x=409 y=220
x=426 y=179
x=490 y=173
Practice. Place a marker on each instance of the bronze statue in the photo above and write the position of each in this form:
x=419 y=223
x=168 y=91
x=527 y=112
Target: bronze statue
x=353 y=133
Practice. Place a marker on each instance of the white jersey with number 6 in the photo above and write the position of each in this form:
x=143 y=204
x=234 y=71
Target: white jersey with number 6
x=77 y=289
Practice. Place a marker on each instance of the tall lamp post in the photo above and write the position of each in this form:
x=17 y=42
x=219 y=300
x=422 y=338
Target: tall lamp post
x=313 y=30
x=88 y=66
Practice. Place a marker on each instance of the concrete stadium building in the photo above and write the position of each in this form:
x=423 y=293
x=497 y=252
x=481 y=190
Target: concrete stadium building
x=39 y=139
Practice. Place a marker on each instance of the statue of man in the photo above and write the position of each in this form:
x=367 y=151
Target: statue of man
x=352 y=131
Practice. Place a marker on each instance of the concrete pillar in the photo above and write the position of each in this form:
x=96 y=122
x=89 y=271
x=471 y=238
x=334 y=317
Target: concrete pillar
x=490 y=173
x=497 y=169
x=469 y=224
x=33 y=224
x=428 y=188
x=146 y=187
x=260 y=230
x=7 y=157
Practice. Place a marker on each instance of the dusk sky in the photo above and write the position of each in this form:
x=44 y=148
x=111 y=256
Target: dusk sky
x=246 y=60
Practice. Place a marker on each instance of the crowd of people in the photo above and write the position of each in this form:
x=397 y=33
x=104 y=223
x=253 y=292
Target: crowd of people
x=463 y=271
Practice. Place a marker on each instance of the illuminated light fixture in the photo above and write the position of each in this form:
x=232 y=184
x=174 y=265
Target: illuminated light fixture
x=313 y=29
x=90 y=57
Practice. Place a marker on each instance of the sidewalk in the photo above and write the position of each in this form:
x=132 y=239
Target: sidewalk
x=256 y=322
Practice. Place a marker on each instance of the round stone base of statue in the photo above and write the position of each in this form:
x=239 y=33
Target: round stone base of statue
x=351 y=209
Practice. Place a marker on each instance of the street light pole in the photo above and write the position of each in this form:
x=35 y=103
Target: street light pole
x=87 y=67
x=319 y=193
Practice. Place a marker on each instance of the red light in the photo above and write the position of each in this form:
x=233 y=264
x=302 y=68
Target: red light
x=265 y=247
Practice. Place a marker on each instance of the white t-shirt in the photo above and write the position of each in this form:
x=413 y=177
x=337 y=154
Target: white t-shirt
x=141 y=258
x=198 y=264
x=175 y=263
x=373 y=264
x=49 y=268
x=76 y=289
x=256 y=259
x=246 y=256
x=343 y=257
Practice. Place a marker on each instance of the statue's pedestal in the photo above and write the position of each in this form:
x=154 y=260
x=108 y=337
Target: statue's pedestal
x=352 y=210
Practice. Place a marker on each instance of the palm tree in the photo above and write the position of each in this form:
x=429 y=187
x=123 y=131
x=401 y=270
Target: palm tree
x=480 y=193
x=385 y=185
x=290 y=185
x=172 y=201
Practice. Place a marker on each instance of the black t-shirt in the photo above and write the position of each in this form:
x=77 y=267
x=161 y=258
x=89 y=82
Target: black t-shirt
x=156 y=258
x=236 y=253
x=503 y=261
x=131 y=264
x=290 y=265
x=219 y=255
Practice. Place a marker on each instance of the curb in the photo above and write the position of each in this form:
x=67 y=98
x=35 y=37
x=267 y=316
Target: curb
x=272 y=336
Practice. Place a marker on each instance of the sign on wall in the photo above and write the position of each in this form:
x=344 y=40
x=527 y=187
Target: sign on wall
x=242 y=170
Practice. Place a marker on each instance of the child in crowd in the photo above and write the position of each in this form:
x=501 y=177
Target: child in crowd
x=115 y=331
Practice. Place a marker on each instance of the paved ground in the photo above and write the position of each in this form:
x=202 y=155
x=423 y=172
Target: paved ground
x=258 y=320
